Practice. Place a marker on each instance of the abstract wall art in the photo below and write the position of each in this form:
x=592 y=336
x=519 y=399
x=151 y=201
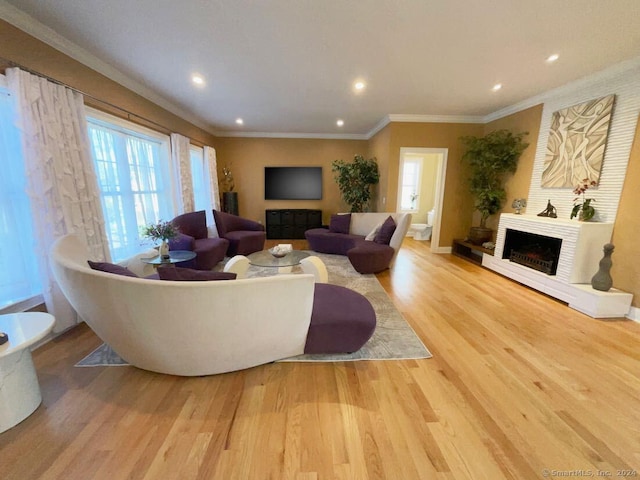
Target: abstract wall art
x=576 y=144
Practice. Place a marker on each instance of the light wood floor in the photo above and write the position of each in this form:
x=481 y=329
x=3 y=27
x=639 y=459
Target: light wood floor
x=519 y=383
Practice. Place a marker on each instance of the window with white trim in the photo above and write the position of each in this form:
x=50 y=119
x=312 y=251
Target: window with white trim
x=134 y=178
x=19 y=274
x=410 y=188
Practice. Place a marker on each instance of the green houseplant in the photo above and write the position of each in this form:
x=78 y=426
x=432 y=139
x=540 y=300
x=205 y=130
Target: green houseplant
x=355 y=180
x=490 y=158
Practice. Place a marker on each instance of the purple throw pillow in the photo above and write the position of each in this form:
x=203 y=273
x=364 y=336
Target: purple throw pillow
x=340 y=223
x=111 y=268
x=190 y=275
x=386 y=231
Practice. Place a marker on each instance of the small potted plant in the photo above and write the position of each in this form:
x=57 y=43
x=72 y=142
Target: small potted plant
x=583 y=209
x=163 y=232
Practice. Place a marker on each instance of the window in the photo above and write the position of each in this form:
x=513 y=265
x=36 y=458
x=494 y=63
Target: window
x=132 y=166
x=199 y=179
x=19 y=275
x=410 y=188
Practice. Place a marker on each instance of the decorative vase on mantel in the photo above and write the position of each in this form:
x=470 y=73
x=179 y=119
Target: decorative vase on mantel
x=602 y=279
x=164 y=250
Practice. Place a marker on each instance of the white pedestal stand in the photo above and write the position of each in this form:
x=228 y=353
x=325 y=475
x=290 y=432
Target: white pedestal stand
x=19 y=389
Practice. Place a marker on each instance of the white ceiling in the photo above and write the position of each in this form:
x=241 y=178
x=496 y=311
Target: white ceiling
x=287 y=66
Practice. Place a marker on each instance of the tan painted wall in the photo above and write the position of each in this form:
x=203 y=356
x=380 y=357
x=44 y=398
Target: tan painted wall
x=379 y=148
x=517 y=185
x=427 y=188
x=247 y=158
x=23 y=49
x=457 y=205
x=626 y=256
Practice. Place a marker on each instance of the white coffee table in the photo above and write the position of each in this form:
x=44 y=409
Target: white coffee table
x=19 y=389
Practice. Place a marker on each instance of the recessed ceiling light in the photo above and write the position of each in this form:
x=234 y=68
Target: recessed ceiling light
x=496 y=87
x=359 y=86
x=552 y=58
x=340 y=123
x=197 y=79
x=239 y=121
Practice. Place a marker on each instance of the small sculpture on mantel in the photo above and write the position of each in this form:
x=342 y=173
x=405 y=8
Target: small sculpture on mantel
x=519 y=204
x=550 y=211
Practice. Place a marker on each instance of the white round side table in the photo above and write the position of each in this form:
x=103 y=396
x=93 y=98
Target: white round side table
x=19 y=389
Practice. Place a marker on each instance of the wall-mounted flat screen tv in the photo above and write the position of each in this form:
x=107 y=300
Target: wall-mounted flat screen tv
x=293 y=183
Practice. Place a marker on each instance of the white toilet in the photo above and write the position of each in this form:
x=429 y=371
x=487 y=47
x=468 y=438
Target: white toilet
x=422 y=231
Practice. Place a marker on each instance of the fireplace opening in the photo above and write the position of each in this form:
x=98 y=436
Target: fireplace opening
x=531 y=250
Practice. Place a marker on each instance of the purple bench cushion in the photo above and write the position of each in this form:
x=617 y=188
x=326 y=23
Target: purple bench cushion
x=370 y=257
x=342 y=320
x=189 y=275
x=111 y=268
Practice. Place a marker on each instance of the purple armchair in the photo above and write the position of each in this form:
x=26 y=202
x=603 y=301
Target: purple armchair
x=244 y=236
x=193 y=237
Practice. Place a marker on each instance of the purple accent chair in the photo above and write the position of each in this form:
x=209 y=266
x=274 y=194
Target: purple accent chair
x=193 y=237
x=245 y=236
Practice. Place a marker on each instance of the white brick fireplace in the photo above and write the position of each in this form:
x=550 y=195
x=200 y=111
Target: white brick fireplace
x=580 y=254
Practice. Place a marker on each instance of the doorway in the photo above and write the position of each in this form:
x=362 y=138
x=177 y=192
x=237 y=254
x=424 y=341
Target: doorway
x=421 y=181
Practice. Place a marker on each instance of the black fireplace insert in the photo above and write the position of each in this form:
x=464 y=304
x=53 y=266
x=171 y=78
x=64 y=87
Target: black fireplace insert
x=535 y=251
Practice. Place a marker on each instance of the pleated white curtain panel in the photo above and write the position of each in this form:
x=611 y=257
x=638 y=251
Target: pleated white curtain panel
x=181 y=158
x=61 y=180
x=211 y=168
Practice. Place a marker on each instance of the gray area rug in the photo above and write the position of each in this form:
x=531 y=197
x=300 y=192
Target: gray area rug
x=393 y=339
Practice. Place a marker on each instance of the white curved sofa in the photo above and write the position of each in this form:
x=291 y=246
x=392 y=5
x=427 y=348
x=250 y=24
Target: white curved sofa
x=187 y=328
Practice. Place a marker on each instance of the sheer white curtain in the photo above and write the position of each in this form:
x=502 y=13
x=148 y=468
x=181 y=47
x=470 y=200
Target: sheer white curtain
x=211 y=171
x=61 y=181
x=211 y=168
x=181 y=157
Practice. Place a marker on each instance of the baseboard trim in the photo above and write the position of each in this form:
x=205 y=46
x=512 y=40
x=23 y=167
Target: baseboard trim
x=634 y=314
x=442 y=250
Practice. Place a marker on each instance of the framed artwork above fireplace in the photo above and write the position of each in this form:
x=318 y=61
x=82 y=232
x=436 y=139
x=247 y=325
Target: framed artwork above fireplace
x=576 y=143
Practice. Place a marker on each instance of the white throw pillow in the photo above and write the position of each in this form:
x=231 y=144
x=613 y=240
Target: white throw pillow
x=374 y=232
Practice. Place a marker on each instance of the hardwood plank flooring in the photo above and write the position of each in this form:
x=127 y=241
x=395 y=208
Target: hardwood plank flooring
x=519 y=385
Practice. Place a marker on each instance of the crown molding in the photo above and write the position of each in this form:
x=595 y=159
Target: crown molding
x=379 y=126
x=30 y=25
x=598 y=77
x=325 y=136
x=435 y=118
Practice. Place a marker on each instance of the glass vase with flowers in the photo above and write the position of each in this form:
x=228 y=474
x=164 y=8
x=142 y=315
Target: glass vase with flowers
x=163 y=232
x=583 y=208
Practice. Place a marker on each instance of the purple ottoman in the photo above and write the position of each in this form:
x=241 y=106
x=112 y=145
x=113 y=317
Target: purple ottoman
x=370 y=257
x=342 y=320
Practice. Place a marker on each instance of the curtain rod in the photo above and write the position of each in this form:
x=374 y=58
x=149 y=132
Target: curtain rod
x=11 y=63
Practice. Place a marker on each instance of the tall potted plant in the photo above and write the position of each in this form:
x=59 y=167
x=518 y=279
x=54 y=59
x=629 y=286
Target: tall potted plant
x=490 y=158
x=355 y=180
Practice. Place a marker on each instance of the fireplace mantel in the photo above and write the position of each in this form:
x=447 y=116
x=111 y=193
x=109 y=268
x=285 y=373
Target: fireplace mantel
x=582 y=242
x=580 y=254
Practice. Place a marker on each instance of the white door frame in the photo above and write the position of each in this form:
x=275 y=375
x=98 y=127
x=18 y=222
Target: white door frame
x=441 y=175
